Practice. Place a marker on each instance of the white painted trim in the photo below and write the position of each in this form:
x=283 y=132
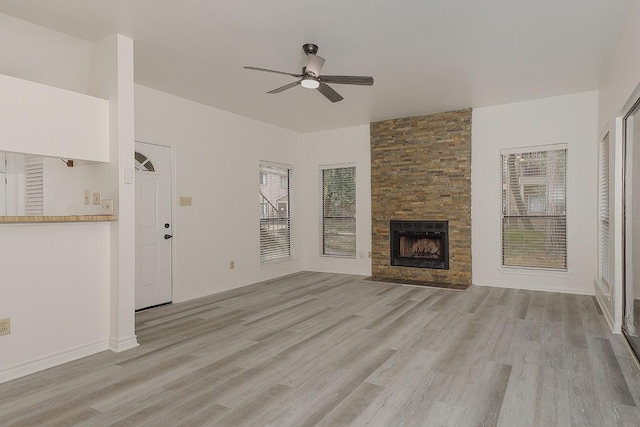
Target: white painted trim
x=121 y=345
x=618 y=207
x=534 y=271
x=338 y=165
x=275 y=164
x=528 y=287
x=535 y=148
x=51 y=361
x=607 y=315
x=174 y=224
x=606 y=290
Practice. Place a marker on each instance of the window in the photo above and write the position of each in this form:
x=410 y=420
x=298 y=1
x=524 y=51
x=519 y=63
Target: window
x=339 y=212
x=275 y=213
x=282 y=208
x=143 y=163
x=603 y=210
x=534 y=222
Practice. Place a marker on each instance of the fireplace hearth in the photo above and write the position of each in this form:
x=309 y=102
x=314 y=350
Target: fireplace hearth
x=420 y=244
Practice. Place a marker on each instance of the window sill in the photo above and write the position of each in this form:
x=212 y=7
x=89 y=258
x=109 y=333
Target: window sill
x=338 y=258
x=276 y=262
x=534 y=272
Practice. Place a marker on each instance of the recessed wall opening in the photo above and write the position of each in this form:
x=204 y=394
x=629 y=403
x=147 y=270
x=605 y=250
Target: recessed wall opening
x=420 y=244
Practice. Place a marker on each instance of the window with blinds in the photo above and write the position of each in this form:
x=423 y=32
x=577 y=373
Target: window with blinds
x=339 y=212
x=33 y=185
x=534 y=222
x=275 y=212
x=603 y=210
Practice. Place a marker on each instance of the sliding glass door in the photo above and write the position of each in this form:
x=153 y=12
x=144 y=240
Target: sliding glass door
x=631 y=320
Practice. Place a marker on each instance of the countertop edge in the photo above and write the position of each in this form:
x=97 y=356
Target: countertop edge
x=56 y=218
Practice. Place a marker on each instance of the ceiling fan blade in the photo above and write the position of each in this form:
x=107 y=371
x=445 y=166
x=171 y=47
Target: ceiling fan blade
x=285 y=87
x=331 y=94
x=272 y=71
x=314 y=65
x=348 y=80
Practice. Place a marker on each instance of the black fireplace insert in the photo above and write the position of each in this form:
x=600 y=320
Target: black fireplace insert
x=420 y=244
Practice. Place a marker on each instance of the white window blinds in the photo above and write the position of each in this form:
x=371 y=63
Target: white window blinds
x=603 y=210
x=534 y=224
x=339 y=212
x=33 y=185
x=275 y=212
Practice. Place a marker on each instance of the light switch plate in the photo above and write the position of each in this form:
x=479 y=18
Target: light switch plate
x=96 y=198
x=87 y=197
x=128 y=176
x=106 y=206
x=185 y=201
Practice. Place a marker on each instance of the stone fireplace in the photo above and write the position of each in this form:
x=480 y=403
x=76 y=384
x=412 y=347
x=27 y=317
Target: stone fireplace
x=421 y=173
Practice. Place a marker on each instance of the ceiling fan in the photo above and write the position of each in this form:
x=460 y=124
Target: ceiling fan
x=312 y=79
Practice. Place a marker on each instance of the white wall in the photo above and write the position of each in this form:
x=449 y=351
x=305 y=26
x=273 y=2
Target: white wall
x=55 y=289
x=55 y=122
x=348 y=145
x=64 y=187
x=217 y=156
x=620 y=78
x=70 y=287
x=567 y=119
x=31 y=52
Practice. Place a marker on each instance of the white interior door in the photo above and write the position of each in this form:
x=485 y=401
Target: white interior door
x=153 y=225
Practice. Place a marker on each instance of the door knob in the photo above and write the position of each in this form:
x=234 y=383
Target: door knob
x=168 y=236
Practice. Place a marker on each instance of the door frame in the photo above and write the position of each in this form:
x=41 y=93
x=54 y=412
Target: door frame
x=623 y=201
x=174 y=217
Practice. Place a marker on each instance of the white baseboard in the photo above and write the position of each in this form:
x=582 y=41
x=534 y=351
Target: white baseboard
x=528 y=287
x=51 y=361
x=607 y=316
x=121 y=345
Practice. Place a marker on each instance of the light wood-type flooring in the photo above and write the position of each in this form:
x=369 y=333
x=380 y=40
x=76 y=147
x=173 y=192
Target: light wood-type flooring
x=332 y=350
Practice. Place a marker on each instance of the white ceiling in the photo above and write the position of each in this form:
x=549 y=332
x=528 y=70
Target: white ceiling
x=425 y=55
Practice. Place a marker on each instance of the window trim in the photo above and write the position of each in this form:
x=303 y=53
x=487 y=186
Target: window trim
x=321 y=169
x=535 y=270
x=290 y=256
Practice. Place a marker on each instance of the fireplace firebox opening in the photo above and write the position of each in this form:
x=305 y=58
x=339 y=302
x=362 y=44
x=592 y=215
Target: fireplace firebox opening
x=420 y=244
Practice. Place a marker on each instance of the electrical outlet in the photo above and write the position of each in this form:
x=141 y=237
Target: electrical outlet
x=5 y=326
x=185 y=201
x=96 y=198
x=232 y=265
x=106 y=206
x=87 y=197
x=369 y=254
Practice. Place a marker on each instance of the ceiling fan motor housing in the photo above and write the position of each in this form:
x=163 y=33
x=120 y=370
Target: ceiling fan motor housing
x=310 y=48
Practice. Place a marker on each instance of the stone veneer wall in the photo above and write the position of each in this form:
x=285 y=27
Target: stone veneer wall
x=421 y=170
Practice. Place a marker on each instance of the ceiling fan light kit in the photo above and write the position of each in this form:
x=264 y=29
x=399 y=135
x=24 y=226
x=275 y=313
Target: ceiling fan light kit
x=309 y=82
x=312 y=79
